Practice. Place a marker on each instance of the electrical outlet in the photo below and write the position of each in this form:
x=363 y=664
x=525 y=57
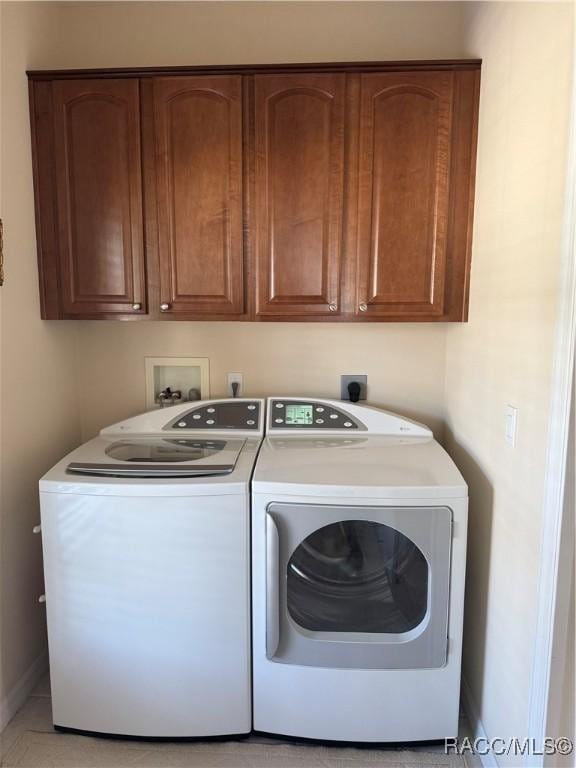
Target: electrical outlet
x=346 y=379
x=235 y=378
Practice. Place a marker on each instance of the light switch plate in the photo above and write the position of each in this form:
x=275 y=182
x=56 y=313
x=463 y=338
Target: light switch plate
x=347 y=378
x=511 y=425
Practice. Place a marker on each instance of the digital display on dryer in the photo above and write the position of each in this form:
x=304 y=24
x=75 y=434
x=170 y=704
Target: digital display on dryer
x=298 y=413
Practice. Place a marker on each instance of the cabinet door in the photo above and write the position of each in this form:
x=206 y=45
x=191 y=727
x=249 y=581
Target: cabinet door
x=198 y=189
x=404 y=166
x=99 y=194
x=299 y=124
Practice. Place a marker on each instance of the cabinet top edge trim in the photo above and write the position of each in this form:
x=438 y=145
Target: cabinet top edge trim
x=255 y=69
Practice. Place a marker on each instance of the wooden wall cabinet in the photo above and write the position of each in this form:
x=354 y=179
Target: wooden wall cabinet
x=405 y=131
x=336 y=192
x=89 y=197
x=416 y=146
x=299 y=171
x=194 y=192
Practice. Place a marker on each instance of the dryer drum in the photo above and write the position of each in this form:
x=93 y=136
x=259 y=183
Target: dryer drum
x=357 y=576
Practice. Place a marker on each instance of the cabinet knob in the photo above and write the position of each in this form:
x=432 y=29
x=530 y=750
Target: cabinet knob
x=363 y=307
x=137 y=306
x=42 y=599
x=37 y=529
x=332 y=307
x=164 y=307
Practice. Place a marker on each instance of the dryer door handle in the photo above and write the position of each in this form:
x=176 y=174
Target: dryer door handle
x=272 y=587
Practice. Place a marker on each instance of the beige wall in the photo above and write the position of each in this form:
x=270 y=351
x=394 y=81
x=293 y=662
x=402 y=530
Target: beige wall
x=504 y=354
x=41 y=361
x=38 y=407
x=164 y=33
x=467 y=373
x=404 y=363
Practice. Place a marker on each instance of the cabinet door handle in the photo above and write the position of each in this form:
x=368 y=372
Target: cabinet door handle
x=42 y=599
x=137 y=306
x=332 y=307
x=363 y=307
x=164 y=307
x=37 y=529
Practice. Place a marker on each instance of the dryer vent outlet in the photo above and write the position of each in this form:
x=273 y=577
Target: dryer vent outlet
x=347 y=379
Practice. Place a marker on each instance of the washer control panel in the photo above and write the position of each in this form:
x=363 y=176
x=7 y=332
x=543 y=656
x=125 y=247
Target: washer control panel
x=308 y=414
x=244 y=415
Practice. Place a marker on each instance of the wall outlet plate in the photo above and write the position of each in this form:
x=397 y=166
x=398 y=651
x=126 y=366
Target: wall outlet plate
x=237 y=378
x=346 y=378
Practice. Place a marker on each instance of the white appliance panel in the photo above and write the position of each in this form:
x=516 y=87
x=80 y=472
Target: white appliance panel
x=148 y=613
x=323 y=455
x=60 y=480
x=351 y=704
x=317 y=416
x=367 y=465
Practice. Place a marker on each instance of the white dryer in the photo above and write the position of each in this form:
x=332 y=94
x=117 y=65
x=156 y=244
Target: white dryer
x=146 y=539
x=359 y=545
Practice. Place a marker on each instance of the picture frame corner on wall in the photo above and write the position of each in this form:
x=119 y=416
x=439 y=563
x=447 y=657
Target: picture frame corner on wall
x=1 y=252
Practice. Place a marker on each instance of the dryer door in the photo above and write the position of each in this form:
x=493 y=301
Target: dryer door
x=358 y=587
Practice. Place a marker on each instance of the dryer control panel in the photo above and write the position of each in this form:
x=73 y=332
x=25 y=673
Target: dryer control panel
x=309 y=414
x=244 y=415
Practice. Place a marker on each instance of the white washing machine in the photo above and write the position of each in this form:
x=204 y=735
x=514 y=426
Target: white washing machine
x=359 y=545
x=146 y=539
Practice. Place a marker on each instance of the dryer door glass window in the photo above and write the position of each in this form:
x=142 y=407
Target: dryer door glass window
x=357 y=576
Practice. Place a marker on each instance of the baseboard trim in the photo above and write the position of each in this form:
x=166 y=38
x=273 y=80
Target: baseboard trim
x=19 y=692
x=473 y=714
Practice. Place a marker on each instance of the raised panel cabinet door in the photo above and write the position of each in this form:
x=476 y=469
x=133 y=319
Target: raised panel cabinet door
x=299 y=168
x=99 y=196
x=198 y=161
x=404 y=166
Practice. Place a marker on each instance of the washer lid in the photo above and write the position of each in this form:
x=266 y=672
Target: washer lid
x=161 y=457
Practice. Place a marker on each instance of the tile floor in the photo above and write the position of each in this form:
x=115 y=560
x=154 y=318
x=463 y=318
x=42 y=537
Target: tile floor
x=29 y=741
